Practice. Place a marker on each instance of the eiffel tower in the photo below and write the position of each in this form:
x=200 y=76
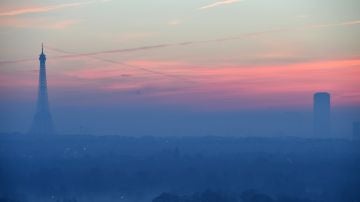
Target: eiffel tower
x=42 y=123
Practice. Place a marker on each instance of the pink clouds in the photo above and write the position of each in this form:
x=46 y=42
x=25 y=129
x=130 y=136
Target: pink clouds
x=97 y=74
x=12 y=17
x=64 y=24
x=212 y=86
x=43 y=9
x=23 y=79
x=37 y=23
x=156 y=63
x=244 y=86
x=40 y=9
x=291 y=83
x=141 y=69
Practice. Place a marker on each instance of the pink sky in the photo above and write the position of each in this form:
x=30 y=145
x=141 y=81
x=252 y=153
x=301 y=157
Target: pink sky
x=217 y=54
x=198 y=86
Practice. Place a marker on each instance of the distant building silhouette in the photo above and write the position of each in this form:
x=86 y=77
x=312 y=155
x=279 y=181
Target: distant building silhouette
x=322 y=108
x=356 y=130
x=42 y=123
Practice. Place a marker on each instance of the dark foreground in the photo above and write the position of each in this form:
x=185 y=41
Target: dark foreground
x=206 y=169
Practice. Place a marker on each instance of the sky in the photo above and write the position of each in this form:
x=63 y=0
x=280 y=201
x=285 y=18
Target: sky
x=142 y=67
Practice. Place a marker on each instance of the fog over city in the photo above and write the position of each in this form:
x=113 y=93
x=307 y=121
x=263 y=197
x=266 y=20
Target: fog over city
x=186 y=101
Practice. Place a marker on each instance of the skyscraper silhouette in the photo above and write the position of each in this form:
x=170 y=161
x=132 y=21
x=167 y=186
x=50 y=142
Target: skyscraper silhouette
x=42 y=123
x=322 y=107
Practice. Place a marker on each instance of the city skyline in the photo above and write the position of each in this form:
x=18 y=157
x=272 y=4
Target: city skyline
x=176 y=58
x=179 y=101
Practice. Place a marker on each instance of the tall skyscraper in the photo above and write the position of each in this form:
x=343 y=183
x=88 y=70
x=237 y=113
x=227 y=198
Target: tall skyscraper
x=42 y=123
x=322 y=108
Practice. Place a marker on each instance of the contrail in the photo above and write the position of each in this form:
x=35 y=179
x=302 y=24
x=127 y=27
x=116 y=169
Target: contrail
x=189 y=43
x=116 y=51
x=4 y=62
x=167 y=45
x=218 y=3
x=124 y=64
x=347 y=23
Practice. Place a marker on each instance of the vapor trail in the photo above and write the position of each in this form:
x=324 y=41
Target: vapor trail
x=189 y=43
x=4 y=62
x=167 y=45
x=218 y=3
x=124 y=64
